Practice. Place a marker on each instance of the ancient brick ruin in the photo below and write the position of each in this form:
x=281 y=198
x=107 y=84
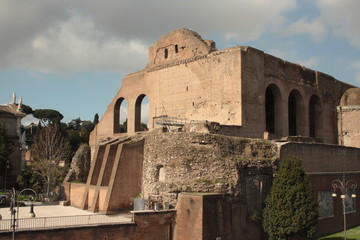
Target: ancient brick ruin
x=220 y=121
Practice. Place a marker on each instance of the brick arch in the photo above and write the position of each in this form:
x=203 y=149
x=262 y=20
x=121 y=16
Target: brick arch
x=296 y=113
x=117 y=114
x=138 y=106
x=315 y=117
x=273 y=109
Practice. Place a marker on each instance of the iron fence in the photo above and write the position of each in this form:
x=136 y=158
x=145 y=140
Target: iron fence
x=63 y=221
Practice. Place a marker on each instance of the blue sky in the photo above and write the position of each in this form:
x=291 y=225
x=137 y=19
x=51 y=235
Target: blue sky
x=72 y=55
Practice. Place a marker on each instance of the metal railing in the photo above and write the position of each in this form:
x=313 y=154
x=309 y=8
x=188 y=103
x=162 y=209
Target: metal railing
x=165 y=120
x=63 y=221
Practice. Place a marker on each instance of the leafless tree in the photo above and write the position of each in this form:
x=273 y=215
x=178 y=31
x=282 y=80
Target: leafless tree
x=49 y=150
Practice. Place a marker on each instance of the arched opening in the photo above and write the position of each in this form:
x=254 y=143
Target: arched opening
x=295 y=113
x=120 y=116
x=314 y=116
x=142 y=113
x=160 y=173
x=273 y=109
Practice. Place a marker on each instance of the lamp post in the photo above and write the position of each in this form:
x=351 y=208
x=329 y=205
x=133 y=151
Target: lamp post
x=14 y=207
x=344 y=186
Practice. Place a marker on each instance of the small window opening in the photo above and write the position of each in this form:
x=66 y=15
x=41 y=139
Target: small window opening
x=166 y=53
x=176 y=48
x=160 y=173
x=187 y=88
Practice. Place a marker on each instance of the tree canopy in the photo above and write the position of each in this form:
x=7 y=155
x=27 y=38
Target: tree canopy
x=289 y=208
x=96 y=119
x=48 y=116
x=26 y=109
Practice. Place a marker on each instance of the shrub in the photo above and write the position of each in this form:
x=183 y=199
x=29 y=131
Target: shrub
x=289 y=208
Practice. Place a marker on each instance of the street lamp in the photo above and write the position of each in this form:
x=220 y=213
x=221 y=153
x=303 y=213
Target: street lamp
x=344 y=186
x=14 y=207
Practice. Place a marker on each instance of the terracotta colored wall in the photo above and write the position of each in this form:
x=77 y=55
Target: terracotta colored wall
x=102 y=196
x=321 y=158
x=127 y=178
x=324 y=163
x=335 y=223
x=76 y=193
x=226 y=86
x=349 y=125
x=203 y=217
x=189 y=219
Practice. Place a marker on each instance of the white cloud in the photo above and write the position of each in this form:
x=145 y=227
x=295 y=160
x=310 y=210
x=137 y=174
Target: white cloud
x=76 y=45
x=28 y=120
x=311 y=62
x=144 y=112
x=356 y=66
x=294 y=56
x=123 y=112
x=59 y=36
x=342 y=17
x=316 y=29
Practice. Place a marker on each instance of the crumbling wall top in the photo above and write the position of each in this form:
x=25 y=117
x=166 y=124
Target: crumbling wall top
x=178 y=45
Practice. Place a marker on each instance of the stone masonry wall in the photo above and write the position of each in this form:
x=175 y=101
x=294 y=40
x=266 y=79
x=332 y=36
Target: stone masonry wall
x=194 y=162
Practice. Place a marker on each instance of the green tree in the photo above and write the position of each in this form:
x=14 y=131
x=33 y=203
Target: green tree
x=48 y=116
x=75 y=124
x=30 y=178
x=5 y=150
x=26 y=109
x=49 y=151
x=96 y=119
x=123 y=127
x=75 y=139
x=78 y=132
x=85 y=130
x=289 y=208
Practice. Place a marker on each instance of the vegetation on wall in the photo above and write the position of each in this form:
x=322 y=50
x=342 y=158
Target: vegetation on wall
x=289 y=208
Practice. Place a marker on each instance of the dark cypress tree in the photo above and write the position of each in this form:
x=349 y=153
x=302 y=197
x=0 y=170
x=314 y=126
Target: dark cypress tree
x=96 y=119
x=290 y=210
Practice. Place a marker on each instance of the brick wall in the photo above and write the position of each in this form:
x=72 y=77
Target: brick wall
x=148 y=225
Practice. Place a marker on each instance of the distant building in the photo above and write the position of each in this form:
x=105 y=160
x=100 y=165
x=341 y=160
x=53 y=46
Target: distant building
x=10 y=116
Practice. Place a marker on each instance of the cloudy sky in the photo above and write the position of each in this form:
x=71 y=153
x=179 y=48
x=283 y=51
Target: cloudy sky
x=71 y=55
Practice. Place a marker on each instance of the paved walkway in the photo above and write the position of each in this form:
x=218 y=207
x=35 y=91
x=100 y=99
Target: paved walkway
x=49 y=216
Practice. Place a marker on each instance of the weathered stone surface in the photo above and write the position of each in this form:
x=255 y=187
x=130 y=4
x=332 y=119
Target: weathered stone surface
x=245 y=90
x=80 y=165
x=196 y=162
x=348 y=118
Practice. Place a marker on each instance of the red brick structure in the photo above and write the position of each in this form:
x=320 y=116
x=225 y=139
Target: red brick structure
x=239 y=92
x=145 y=226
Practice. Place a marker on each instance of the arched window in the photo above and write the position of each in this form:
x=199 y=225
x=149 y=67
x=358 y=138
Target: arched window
x=295 y=113
x=142 y=113
x=120 y=116
x=314 y=116
x=273 y=109
x=160 y=173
